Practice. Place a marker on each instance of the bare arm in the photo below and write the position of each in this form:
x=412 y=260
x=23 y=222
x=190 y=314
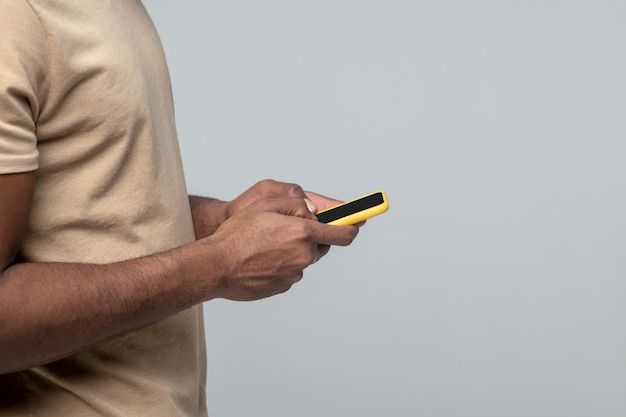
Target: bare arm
x=51 y=310
x=209 y=213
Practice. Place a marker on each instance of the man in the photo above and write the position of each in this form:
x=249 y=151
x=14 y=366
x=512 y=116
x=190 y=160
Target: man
x=104 y=259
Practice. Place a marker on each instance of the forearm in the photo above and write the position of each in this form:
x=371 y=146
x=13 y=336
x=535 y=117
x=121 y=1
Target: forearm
x=51 y=310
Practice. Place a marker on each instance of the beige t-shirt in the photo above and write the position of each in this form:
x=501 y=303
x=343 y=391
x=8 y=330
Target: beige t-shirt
x=85 y=100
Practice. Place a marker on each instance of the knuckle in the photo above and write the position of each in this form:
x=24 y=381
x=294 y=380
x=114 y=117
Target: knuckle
x=293 y=279
x=294 y=190
x=297 y=277
x=284 y=188
x=300 y=231
x=310 y=257
x=265 y=183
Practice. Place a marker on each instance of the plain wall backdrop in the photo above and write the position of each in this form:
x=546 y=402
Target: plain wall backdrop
x=496 y=283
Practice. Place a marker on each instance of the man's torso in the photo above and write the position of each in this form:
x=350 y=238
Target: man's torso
x=110 y=187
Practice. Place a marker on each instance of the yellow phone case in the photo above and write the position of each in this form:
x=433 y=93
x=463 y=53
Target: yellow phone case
x=381 y=206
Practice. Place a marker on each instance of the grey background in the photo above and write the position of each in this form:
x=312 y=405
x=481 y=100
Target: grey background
x=495 y=285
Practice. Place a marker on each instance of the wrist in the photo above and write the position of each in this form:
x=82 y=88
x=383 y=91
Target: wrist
x=207 y=214
x=205 y=266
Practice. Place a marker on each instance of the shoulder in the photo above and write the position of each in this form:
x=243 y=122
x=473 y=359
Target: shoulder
x=23 y=44
x=19 y=23
x=24 y=67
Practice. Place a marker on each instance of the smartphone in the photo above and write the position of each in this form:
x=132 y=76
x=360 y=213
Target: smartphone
x=356 y=210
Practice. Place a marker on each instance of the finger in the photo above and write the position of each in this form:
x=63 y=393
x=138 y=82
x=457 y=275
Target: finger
x=325 y=234
x=276 y=189
x=294 y=206
x=311 y=205
x=322 y=250
x=322 y=202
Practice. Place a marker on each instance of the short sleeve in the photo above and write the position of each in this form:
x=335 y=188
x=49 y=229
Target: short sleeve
x=24 y=58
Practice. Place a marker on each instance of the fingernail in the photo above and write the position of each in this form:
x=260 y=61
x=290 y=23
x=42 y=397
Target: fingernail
x=310 y=205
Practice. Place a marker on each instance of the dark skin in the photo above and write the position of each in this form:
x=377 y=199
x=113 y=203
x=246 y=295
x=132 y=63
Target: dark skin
x=254 y=247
